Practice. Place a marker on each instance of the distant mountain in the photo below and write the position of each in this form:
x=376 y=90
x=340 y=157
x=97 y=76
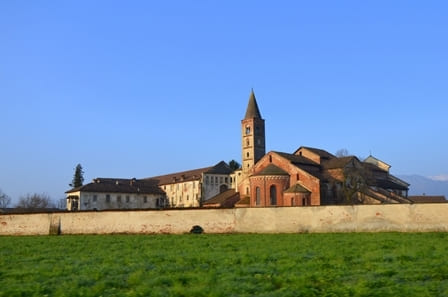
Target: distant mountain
x=423 y=185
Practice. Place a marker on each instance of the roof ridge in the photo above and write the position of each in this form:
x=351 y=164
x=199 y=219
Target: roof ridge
x=181 y=172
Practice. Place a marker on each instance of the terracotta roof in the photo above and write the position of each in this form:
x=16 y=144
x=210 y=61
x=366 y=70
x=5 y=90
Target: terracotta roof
x=319 y=152
x=303 y=163
x=296 y=159
x=252 y=111
x=220 y=168
x=271 y=169
x=190 y=175
x=337 y=163
x=224 y=199
x=243 y=202
x=120 y=185
x=297 y=188
x=427 y=199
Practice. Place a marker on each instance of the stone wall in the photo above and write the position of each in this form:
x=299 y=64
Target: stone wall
x=362 y=218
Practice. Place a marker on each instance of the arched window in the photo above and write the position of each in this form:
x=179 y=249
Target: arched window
x=270 y=159
x=247 y=129
x=257 y=196
x=273 y=195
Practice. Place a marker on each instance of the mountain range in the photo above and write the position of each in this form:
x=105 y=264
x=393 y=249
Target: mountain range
x=421 y=185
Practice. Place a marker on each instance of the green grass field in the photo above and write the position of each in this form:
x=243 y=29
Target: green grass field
x=369 y=264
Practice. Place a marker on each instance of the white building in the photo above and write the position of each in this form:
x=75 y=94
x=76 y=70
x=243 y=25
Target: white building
x=182 y=189
x=115 y=193
x=193 y=187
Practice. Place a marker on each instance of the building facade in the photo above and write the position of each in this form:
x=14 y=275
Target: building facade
x=306 y=177
x=194 y=187
x=116 y=193
x=309 y=176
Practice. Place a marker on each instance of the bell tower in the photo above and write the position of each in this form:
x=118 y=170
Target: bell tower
x=253 y=136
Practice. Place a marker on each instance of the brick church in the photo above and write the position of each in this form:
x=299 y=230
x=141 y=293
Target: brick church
x=308 y=176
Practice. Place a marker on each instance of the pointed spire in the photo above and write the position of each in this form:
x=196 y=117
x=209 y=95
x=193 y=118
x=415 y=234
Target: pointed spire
x=252 y=111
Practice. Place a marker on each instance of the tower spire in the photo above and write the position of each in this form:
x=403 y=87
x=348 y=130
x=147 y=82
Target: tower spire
x=252 y=111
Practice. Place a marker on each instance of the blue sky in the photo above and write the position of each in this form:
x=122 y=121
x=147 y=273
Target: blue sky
x=142 y=88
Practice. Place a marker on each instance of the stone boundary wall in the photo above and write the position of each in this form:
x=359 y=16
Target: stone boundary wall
x=359 y=218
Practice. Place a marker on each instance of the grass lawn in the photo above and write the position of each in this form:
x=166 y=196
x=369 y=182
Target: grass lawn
x=365 y=264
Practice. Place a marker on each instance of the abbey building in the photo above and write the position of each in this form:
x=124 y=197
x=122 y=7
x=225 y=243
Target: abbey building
x=306 y=177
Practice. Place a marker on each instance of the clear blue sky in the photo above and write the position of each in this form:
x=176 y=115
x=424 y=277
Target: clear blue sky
x=141 y=88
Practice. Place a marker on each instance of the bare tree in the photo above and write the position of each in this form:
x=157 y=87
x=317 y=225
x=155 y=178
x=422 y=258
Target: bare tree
x=5 y=200
x=35 y=201
x=356 y=178
x=342 y=153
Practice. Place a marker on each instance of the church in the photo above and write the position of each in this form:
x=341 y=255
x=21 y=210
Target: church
x=307 y=177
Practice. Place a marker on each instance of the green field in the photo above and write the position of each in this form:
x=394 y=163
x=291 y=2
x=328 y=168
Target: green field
x=368 y=264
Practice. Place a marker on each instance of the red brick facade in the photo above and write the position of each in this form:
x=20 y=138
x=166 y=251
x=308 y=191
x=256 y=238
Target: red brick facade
x=267 y=190
x=309 y=176
x=295 y=175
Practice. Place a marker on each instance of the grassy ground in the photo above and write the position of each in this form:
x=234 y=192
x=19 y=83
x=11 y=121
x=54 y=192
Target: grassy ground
x=381 y=264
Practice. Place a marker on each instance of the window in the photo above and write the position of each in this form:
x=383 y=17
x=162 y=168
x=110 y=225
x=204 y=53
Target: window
x=188 y=198
x=247 y=154
x=303 y=201
x=273 y=195
x=206 y=180
x=226 y=180
x=145 y=199
x=247 y=129
x=94 y=198
x=127 y=199
x=247 y=191
x=298 y=177
x=221 y=179
x=270 y=159
x=118 y=198
x=247 y=142
x=107 y=198
x=257 y=196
